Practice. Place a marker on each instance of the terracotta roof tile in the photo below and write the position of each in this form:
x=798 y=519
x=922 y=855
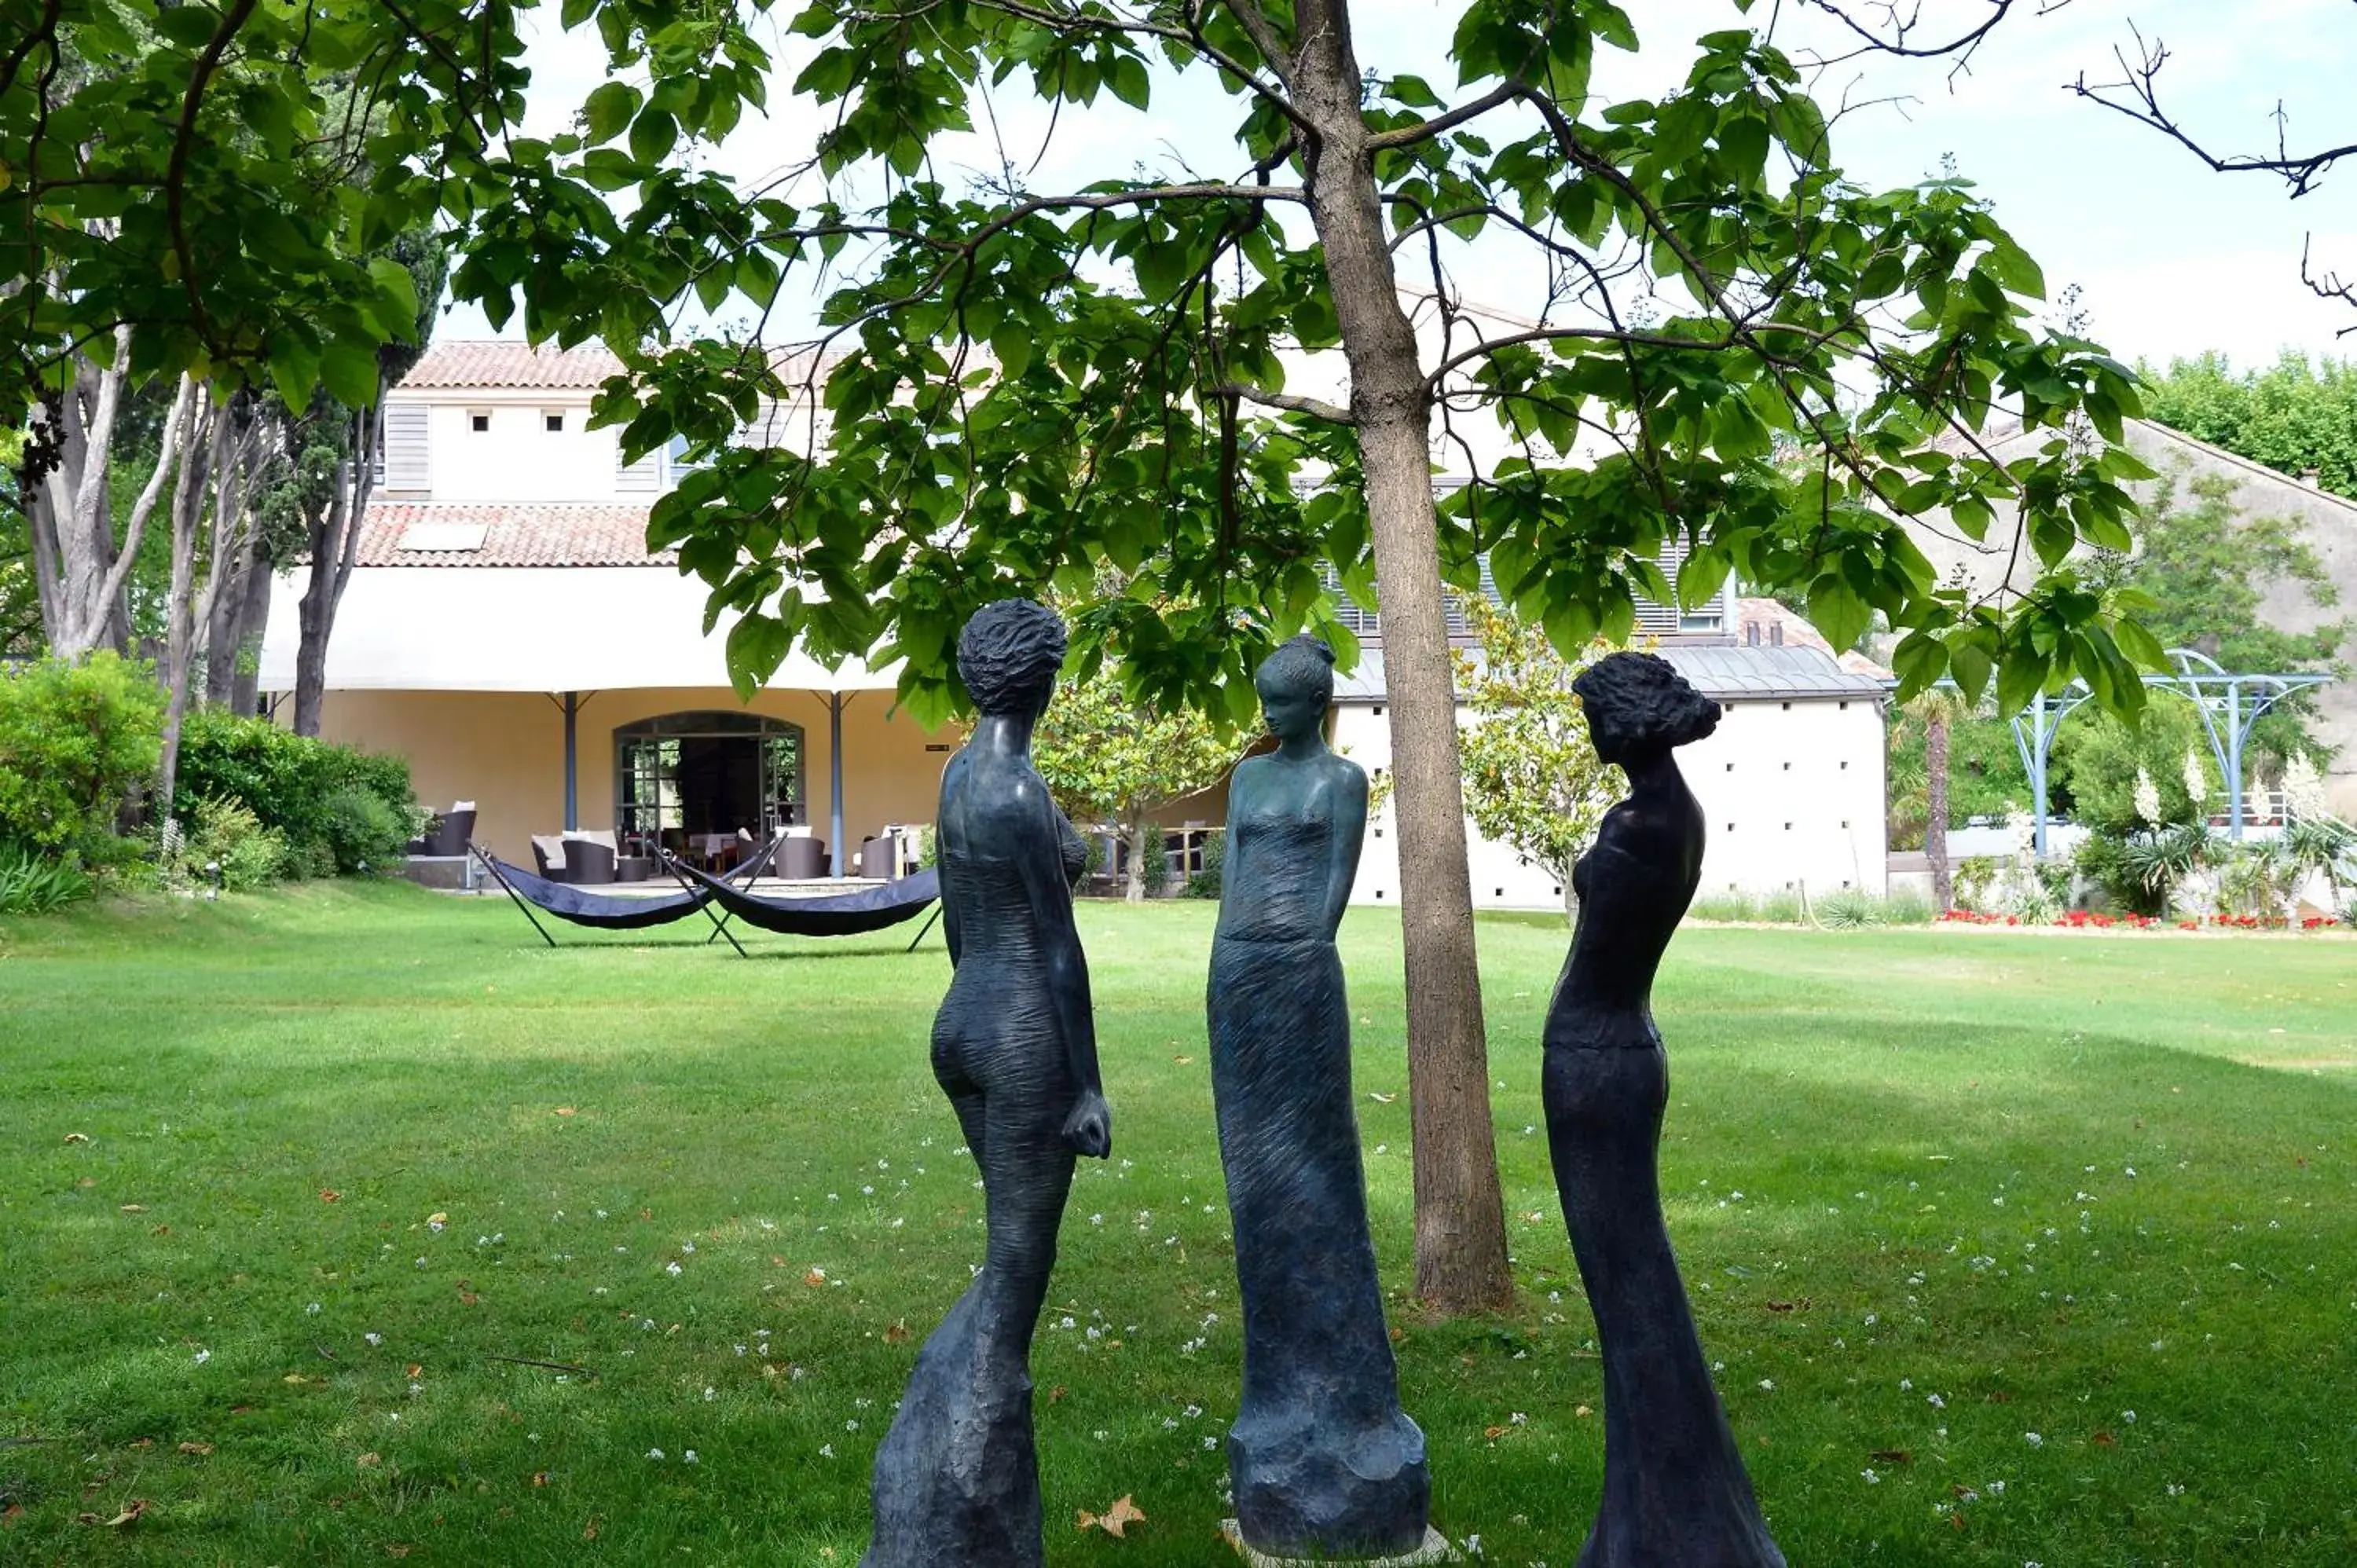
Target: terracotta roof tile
x=478 y=362
x=511 y=534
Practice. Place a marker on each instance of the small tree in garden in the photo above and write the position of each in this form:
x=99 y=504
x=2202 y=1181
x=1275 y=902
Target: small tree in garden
x=1107 y=757
x=1939 y=711
x=1531 y=776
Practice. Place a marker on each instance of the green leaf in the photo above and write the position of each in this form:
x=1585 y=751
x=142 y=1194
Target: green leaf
x=757 y=644
x=190 y=27
x=350 y=370
x=1970 y=664
x=1129 y=82
x=652 y=135
x=293 y=367
x=1837 y=612
x=609 y=109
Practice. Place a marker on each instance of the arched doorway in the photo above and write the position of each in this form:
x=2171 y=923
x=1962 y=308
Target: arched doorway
x=684 y=775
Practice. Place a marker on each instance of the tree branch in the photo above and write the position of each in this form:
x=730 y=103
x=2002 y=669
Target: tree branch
x=184 y=142
x=2329 y=287
x=2138 y=96
x=1902 y=18
x=1291 y=402
x=1409 y=136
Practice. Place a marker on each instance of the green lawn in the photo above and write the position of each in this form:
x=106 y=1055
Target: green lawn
x=1936 y=1192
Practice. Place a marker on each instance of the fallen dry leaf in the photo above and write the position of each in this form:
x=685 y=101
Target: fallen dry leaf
x=1056 y=1395
x=1892 y=1456
x=129 y=1514
x=1494 y=1432
x=539 y=1477
x=399 y=1549
x=141 y=1442
x=1381 y=1099
x=87 y=1181
x=161 y=1231
x=13 y=1512
x=589 y=1530
x=134 y=1208
x=1184 y=1061
x=367 y=1462
x=2105 y=1440
x=1581 y=1410
x=197 y=1448
x=565 y=1111
x=437 y=1220
x=815 y=1277
x=415 y=1372
x=1115 y=1520
x=328 y=1194
x=77 y=1137
x=897 y=1333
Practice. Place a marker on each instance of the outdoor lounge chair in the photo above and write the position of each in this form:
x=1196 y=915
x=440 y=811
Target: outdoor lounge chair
x=589 y=859
x=449 y=836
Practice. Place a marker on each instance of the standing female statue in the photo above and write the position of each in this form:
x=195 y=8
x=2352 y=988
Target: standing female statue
x=957 y=1480
x=1321 y=1456
x=1675 y=1495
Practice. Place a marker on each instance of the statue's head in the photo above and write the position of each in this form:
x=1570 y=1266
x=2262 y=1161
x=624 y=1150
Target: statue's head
x=1009 y=655
x=1297 y=686
x=1638 y=703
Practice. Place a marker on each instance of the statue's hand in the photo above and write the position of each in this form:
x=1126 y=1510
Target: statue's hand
x=1089 y=1129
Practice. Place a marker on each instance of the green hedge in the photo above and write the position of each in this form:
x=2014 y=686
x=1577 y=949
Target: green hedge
x=76 y=742
x=338 y=808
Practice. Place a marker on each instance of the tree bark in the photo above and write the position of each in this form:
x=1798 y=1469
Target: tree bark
x=335 y=537
x=244 y=593
x=1935 y=823
x=1460 y=1230
x=1133 y=831
x=78 y=566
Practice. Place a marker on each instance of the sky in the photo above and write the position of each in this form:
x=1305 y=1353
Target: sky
x=2169 y=260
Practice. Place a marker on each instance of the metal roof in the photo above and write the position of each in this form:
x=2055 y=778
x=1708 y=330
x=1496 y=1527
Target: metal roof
x=1723 y=674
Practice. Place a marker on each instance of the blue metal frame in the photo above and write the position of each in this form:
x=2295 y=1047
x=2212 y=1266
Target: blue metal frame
x=2230 y=706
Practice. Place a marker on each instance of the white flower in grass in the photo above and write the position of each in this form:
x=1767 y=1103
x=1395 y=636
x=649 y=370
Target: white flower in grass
x=202 y=1357
x=373 y=1338
x=655 y=1454
x=1871 y=1478
x=2033 y=1439
x=688 y=1457
x=826 y=1450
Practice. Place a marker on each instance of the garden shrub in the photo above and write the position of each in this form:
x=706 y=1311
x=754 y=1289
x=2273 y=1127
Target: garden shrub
x=76 y=741
x=1730 y=905
x=362 y=831
x=1849 y=908
x=1205 y=884
x=32 y=883
x=308 y=790
x=1154 y=863
x=219 y=837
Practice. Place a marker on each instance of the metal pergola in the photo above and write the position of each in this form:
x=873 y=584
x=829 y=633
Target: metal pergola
x=2229 y=706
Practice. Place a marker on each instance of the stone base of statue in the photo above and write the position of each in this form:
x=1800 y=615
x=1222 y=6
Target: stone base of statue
x=957 y=1480
x=1435 y=1548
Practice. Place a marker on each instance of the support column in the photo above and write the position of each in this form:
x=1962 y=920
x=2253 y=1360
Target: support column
x=836 y=703
x=2235 y=759
x=2045 y=733
x=572 y=705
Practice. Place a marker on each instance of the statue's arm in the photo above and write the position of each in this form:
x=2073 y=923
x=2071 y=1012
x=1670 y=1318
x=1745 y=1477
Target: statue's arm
x=1350 y=834
x=1039 y=862
x=941 y=861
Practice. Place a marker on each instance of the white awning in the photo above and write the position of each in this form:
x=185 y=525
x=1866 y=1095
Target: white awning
x=527 y=628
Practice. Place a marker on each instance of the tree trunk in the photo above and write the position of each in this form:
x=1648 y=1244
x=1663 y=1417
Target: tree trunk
x=1133 y=832
x=244 y=697
x=173 y=668
x=244 y=593
x=1461 y=1229
x=78 y=566
x=335 y=539
x=1935 y=823
x=1570 y=901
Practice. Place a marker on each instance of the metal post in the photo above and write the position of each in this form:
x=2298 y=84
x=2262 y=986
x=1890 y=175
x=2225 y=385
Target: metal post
x=2045 y=733
x=2233 y=759
x=835 y=702
x=572 y=762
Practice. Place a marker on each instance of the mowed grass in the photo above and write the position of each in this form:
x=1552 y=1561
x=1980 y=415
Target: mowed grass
x=2011 y=1248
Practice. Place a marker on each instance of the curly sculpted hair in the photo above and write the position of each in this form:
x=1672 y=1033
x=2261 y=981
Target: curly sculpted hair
x=1009 y=655
x=1301 y=665
x=1636 y=702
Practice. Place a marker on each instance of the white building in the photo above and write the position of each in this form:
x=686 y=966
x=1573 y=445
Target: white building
x=507 y=630
x=1791 y=783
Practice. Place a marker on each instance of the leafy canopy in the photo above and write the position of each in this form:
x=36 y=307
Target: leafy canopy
x=1018 y=386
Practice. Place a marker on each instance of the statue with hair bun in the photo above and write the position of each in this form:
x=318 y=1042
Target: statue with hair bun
x=957 y=1478
x=1323 y=1460
x=1675 y=1494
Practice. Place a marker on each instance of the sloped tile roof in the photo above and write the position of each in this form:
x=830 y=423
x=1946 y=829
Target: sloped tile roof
x=495 y=363
x=1723 y=674
x=512 y=533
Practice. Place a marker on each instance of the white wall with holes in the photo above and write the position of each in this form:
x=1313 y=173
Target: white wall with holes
x=1793 y=793
x=514 y=446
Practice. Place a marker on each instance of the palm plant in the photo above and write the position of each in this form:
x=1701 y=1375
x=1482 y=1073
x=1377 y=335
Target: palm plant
x=1937 y=710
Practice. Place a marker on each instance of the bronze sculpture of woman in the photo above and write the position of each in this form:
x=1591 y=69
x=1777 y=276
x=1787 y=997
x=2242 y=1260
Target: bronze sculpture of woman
x=957 y=1478
x=1322 y=1458
x=1675 y=1495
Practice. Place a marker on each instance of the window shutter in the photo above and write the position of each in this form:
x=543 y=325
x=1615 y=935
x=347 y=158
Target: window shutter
x=407 y=459
x=642 y=477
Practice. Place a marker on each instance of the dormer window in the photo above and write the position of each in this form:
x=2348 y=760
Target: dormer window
x=479 y=420
x=554 y=422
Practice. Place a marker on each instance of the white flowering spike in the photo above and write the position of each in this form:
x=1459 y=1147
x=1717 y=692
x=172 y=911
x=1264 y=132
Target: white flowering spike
x=2303 y=789
x=2197 y=779
x=2148 y=799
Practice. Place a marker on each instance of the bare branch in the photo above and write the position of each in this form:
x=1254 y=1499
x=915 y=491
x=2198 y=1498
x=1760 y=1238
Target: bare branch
x=1291 y=402
x=1900 y=21
x=2137 y=95
x=2329 y=287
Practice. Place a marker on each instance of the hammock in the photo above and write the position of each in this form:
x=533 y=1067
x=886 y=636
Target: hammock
x=826 y=915
x=598 y=911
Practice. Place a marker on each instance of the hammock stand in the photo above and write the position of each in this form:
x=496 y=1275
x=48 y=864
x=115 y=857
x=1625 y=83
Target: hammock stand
x=830 y=915
x=599 y=911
